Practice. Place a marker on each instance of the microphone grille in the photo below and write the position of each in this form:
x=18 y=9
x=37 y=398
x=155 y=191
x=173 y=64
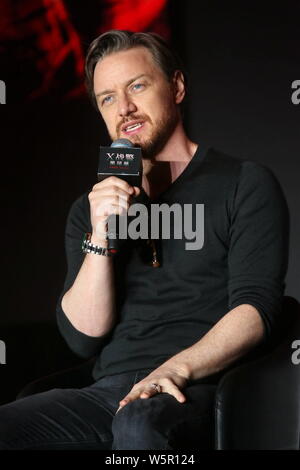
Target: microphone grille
x=122 y=143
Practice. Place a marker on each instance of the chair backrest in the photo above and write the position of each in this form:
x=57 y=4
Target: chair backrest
x=258 y=404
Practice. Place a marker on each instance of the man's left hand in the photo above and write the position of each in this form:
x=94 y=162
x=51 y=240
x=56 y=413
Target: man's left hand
x=161 y=380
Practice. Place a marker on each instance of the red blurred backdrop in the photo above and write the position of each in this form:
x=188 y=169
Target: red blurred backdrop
x=43 y=42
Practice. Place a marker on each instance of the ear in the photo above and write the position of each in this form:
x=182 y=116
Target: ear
x=179 y=86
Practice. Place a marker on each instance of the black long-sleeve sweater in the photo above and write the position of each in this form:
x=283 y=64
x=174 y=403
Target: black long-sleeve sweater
x=164 y=310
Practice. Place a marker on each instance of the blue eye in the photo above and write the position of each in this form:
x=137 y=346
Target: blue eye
x=138 y=86
x=107 y=100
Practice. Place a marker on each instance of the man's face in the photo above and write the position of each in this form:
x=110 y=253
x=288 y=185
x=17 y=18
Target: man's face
x=136 y=100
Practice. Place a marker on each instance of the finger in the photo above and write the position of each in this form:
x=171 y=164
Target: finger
x=175 y=392
x=137 y=191
x=114 y=191
x=147 y=394
x=110 y=205
x=108 y=194
x=115 y=181
x=168 y=386
x=115 y=196
x=129 y=398
x=150 y=391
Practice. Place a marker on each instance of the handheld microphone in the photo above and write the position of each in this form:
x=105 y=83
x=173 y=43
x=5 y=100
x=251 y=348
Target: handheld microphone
x=123 y=160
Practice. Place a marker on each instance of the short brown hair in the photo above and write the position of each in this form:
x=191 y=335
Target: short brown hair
x=118 y=40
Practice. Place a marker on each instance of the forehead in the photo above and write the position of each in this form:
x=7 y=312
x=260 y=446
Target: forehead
x=119 y=67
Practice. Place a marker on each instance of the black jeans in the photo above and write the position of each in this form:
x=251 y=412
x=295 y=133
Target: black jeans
x=86 y=418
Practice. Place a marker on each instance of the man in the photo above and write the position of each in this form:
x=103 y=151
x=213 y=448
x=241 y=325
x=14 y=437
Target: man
x=163 y=336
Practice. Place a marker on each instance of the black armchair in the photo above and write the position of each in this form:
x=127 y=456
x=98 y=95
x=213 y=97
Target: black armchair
x=257 y=404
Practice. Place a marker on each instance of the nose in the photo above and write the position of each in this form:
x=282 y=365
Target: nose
x=126 y=105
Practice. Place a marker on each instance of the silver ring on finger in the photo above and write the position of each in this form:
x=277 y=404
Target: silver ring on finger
x=157 y=387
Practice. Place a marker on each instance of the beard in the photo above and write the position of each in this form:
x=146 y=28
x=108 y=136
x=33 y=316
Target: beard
x=160 y=134
x=159 y=137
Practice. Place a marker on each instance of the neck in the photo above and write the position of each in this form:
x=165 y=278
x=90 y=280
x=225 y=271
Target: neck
x=178 y=148
x=167 y=165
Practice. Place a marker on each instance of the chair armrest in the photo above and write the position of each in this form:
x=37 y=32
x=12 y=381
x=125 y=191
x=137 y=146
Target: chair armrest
x=258 y=404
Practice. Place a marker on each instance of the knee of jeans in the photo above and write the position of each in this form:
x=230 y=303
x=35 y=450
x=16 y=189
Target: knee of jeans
x=137 y=420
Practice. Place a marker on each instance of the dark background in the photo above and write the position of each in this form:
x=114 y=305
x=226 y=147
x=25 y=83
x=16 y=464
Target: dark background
x=241 y=64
